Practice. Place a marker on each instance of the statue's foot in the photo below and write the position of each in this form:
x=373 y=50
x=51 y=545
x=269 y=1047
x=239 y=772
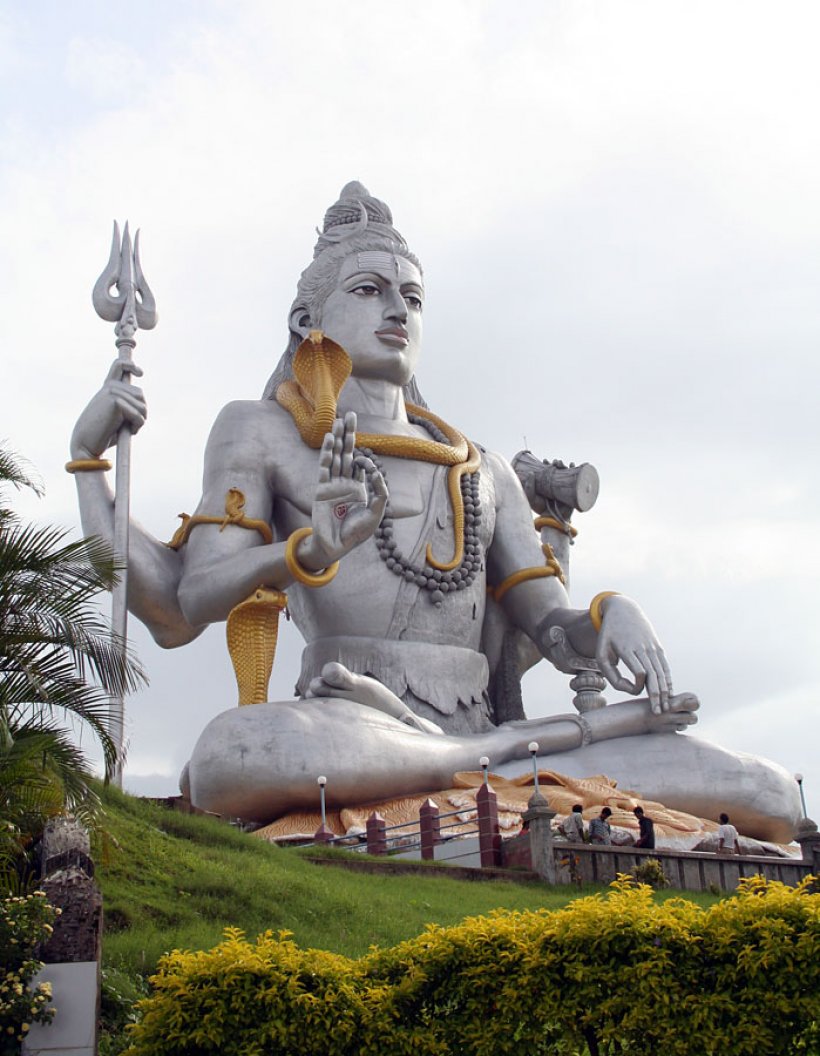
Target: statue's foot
x=682 y=708
x=337 y=681
x=628 y=718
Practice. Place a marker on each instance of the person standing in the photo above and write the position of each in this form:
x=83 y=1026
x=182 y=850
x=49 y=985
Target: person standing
x=728 y=838
x=573 y=825
x=599 y=828
x=646 y=837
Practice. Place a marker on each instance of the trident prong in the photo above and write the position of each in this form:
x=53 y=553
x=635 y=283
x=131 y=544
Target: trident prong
x=133 y=297
x=146 y=305
x=131 y=307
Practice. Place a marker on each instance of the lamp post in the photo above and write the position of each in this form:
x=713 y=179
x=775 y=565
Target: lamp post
x=799 y=779
x=321 y=782
x=484 y=763
x=532 y=747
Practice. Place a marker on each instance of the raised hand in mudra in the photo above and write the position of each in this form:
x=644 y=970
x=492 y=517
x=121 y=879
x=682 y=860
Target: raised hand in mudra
x=345 y=510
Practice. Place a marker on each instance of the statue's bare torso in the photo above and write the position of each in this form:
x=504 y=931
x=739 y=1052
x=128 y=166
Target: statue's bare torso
x=279 y=484
x=365 y=600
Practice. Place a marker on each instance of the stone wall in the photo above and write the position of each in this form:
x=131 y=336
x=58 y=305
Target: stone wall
x=685 y=870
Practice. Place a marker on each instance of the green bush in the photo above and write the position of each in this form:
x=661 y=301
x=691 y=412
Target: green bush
x=120 y=990
x=615 y=973
x=25 y=922
x=650 y=871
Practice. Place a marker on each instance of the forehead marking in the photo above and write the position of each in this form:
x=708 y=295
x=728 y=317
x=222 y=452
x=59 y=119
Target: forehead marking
x=371 y=259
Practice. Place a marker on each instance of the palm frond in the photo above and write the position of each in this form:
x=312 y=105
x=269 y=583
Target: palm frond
x=44 y=747
x=42 y=774
x=17 y=471
x=33 y=562
x=59 y=658
x=96 y=653
x=60 y=693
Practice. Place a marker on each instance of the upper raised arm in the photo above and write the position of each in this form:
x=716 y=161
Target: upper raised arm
x=516 y=546
x=224 y=562
x=238 y=455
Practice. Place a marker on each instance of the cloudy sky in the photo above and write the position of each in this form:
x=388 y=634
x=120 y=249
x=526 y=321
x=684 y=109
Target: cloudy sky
x=617 y=206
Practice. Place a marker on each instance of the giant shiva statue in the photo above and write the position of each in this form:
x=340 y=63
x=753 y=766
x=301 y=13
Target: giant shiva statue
x=402 y=550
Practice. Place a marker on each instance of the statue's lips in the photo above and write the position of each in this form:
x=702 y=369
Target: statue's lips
x=394 y=335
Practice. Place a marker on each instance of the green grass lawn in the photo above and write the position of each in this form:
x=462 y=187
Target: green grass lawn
x=171 y=880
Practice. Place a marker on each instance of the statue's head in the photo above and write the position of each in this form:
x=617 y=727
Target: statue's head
x=357 y=224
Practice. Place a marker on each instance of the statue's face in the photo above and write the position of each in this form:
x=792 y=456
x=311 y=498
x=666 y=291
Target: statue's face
x=375 y=315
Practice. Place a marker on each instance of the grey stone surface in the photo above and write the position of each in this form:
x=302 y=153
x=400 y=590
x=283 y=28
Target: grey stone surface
x=73 y=1031
x=538 y=818
x=77 y=934
x=808 y=838
x=63 y=834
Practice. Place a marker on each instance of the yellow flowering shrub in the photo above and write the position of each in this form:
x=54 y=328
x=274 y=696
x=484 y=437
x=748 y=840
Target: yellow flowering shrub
x=612 y=973
x=25 y=922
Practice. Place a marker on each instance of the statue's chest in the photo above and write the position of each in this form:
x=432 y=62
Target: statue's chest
x=409 y=483
x=419 y=505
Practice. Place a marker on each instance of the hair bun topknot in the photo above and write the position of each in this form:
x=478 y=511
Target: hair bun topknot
x=348 y=209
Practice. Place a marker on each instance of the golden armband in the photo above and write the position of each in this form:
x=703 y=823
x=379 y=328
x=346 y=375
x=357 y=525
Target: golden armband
x=521 y=576
x=234 y=514
x=559 y=526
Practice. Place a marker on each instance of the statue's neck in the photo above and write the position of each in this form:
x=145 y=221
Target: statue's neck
x=372 y=399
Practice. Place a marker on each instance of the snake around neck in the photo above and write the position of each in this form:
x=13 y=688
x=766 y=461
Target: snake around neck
x=320 y=369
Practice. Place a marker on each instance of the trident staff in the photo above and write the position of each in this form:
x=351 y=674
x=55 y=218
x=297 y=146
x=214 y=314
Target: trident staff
x=131 y=307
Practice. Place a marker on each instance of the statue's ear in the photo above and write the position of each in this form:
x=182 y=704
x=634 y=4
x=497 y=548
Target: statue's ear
x=300 y=322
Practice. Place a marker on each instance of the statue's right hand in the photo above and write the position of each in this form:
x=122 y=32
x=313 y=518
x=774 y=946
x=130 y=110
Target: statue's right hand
x=345 y=511
x=117 y=403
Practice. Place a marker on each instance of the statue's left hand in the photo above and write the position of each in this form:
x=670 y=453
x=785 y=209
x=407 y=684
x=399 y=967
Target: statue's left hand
x=627 y=637
x=345 y=512
x=116 y=404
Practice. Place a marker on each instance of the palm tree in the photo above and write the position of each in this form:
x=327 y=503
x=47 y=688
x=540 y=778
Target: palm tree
x=59 y=663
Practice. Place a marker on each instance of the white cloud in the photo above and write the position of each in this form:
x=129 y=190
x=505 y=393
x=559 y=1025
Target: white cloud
x=110 y=71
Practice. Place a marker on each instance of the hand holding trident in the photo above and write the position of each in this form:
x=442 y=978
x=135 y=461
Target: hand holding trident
x=132 y=307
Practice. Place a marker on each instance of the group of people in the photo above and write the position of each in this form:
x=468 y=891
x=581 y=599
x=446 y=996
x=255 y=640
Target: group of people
x=600 y=830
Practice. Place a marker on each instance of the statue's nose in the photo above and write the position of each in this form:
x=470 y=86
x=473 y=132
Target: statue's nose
x=395 y=308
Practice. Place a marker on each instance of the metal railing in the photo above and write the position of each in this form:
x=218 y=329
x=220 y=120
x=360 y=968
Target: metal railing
x=426 y=833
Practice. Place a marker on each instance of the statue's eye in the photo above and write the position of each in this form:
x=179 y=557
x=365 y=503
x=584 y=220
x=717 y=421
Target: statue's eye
x=366 y=289
x=414 y=301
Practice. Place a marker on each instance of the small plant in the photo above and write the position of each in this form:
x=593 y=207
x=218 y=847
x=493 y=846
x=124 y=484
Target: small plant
x=650 y=872
x=25 y=922
x=120 y=991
